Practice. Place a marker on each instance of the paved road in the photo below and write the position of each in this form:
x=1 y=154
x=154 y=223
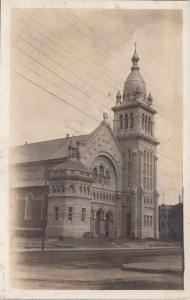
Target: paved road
x=90 y=269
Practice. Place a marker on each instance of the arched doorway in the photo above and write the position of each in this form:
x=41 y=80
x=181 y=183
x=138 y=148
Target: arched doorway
x=99 y=222
x=109 y=224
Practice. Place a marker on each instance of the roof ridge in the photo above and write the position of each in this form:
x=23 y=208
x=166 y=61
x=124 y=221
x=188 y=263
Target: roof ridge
x=46 y=141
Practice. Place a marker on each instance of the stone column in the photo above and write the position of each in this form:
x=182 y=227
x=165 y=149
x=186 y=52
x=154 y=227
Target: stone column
x=102 y=225
x=118 y=215
x=156 y=197
x=134 y=213
x=134 y=169
x=134 y=200
x=153 y=128
x=141 y=194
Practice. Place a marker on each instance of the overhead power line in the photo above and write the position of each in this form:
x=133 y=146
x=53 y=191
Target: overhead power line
x=60 y=65
x=53 y=83
x=77 y=50
x=108 y=108
x=54 y=95
x=69 y=104
x=98 y=105
x=92 y=41
x=111 y=45
x=65 y=58
x=59 y=76
x=105 y=40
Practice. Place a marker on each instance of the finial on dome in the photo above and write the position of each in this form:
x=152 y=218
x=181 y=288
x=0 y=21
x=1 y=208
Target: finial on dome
x=105 y=116
x=118 y=97
x=73 y=149
x=149 y=99
x=135 y=59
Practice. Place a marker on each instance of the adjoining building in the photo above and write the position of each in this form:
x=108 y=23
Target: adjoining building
x=171 y=222
x=100 y=184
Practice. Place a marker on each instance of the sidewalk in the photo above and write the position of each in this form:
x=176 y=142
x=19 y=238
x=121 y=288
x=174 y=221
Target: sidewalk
x=51 y=249
x=24 y=244
x=160 y=265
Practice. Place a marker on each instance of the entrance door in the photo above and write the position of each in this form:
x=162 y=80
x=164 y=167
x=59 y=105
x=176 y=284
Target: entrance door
x=108 y=224
x=99 y=222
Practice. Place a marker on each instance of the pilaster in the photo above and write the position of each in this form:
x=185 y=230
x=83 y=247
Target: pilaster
x=156 y=197
x=118 y=215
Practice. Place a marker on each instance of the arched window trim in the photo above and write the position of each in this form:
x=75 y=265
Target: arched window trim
x=121 y=121
x=143 y=121
x=149 y=124
x=131 y=120
x=126 y=121
x=28 y=206
x=146 y=121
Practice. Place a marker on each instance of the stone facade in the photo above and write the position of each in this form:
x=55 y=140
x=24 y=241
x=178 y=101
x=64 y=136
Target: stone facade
x=101 y=184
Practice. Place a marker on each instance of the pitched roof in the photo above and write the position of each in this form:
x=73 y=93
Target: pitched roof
x=52 y=149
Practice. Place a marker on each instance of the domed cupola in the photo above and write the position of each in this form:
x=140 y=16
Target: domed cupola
x=71 y=167
x=134 y=86
x=69 y=199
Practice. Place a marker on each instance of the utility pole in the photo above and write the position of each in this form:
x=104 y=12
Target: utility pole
x=163 y=198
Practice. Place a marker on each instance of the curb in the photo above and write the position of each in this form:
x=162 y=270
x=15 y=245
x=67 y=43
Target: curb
x=92 y=249
x=152 y=271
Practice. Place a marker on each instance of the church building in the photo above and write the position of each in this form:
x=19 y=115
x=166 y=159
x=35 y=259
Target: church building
x=99 y=184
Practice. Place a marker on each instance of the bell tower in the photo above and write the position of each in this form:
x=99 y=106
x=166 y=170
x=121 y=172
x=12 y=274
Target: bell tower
x=133 y=126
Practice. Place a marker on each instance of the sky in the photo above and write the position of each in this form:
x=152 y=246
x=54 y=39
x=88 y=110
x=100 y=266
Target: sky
x=67 y=65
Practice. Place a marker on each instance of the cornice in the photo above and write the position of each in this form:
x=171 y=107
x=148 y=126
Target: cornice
x=126 y=104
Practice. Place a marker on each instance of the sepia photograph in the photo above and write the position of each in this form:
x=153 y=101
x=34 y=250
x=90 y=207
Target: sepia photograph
x=96 y=137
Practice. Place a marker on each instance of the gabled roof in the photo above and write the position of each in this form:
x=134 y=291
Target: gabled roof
x=97 y=129
x=46 y=150
x=52 y=149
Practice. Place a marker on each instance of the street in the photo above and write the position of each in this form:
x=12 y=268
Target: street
x=98 y=269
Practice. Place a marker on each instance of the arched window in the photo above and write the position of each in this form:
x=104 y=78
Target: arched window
x=131 y=120
x=142 y=121
x=95 y=174
x=107 y=177
x=144 y=155
x=101 y=173
x=146 y=121
x=53 y=188
x=148 y=156
x=84 y=190
x=81 y=189
x=28 y=206
x=151 y=131
x=121 y=122
x=72 y=188
x=150 y=221
x=126 y=121
x=144 y=220
x=149 y=124
x=150 y=184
